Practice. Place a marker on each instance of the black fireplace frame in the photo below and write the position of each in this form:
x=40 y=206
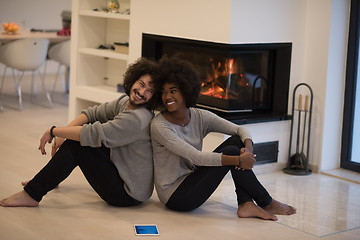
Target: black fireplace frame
x=280 y=57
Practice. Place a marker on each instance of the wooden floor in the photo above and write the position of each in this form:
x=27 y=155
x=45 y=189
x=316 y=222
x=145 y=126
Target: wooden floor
x=328 y=207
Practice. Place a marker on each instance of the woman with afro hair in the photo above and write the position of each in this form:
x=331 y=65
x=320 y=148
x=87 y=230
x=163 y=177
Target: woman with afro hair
x=184 y=175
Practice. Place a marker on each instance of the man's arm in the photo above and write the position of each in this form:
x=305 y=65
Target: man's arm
x=71 y=131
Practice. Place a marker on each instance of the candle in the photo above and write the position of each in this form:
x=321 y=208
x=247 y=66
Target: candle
x=306 y=102
x=300 y=103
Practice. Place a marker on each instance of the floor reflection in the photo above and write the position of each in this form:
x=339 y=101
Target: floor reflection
x=326 y=205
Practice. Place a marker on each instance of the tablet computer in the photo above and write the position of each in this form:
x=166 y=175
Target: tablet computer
x=146 y=230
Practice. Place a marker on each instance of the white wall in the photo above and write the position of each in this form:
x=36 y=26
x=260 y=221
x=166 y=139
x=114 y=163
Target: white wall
x=43 y=14
x=317 y=30
x=201 y=19
x=335 y=85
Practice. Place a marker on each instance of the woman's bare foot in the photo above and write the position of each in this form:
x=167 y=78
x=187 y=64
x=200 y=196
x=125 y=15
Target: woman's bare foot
x=20 y=199
x=250 y=209
x=276 y=207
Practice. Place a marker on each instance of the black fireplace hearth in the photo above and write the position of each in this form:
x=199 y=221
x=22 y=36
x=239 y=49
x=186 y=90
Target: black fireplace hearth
x=243 y=83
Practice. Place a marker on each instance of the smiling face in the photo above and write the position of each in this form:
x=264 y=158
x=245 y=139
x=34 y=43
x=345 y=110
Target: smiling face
x=142 y=91
x=172 y=98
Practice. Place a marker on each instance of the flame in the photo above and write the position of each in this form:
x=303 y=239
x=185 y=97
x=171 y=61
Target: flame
x=219 y=69
x=231 y=64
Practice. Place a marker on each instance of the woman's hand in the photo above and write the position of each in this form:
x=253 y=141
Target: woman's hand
x=247 y=160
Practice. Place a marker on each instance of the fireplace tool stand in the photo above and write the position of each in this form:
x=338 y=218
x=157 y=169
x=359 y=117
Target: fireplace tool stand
x=298 y=164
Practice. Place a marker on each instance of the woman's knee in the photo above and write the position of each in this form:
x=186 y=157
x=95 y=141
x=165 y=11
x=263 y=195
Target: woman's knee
x=230 y=146
x=231 y=150
x=183 y=207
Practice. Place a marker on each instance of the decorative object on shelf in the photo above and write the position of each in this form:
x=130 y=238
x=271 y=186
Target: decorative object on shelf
x=126 y=11
x=121 y=47
x=113 y=6
x=298 y=164
x=106 y=46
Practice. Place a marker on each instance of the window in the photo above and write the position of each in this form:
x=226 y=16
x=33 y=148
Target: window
x=350 y=151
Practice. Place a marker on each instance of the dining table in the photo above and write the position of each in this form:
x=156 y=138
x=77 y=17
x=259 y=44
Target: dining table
x=27 y=33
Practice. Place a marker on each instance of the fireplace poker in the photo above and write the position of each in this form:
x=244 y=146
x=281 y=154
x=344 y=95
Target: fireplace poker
x=295 y=160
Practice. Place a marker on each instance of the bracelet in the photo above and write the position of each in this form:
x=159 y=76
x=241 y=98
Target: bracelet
x=51 y=131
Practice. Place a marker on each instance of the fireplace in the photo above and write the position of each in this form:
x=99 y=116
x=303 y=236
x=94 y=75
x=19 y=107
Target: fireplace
x=240 y=82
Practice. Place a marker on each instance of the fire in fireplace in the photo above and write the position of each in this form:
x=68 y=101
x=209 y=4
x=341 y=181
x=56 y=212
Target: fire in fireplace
x=241 y=82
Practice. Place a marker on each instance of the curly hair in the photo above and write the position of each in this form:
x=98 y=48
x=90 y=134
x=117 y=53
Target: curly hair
x=141 y=67
x=183 y=74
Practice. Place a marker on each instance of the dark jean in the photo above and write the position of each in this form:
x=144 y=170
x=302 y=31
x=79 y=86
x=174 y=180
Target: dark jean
x=96 y=166
x=200 y=185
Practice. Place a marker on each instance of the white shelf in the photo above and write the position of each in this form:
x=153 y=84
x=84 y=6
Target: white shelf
x=97 y=94
x=91 y=13
x=104 y=53
x=95 y=72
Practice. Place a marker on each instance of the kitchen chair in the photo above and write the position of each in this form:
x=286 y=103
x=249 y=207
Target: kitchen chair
x=61 y=53
x=27 y=54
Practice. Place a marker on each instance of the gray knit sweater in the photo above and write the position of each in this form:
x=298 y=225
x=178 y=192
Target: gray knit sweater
x=126 y=133
x=177 y=150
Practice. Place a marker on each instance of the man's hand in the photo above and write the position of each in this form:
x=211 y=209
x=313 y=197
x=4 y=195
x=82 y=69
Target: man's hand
x=57 y=143
x=46 y=138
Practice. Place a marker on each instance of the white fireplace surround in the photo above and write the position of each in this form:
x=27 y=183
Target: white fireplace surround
x=318 y=31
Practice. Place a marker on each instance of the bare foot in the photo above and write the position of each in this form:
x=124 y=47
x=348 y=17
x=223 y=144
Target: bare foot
x=20 y=199
x=276 y=207
x=24 y=183
x=250 y=209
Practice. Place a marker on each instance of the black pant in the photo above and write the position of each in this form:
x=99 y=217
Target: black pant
x=199 y=185
x=96 y=166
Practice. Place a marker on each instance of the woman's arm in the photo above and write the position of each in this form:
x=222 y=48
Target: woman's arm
x=215 y=123
x=248 y=145
x=246 y=160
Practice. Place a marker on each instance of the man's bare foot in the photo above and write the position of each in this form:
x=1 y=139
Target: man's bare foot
x=20 y=199
x=250 y=209
x=26 y=182
x=276 y=207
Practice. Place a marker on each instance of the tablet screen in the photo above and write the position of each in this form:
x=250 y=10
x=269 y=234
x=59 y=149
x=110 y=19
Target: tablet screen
x=146 y=229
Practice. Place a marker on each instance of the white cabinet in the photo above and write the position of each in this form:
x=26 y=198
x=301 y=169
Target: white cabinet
x=94 y=72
